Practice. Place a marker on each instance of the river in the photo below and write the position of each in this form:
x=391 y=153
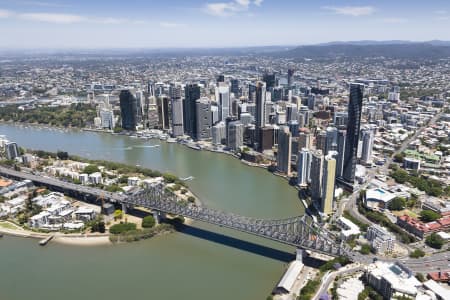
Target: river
x=201 y=262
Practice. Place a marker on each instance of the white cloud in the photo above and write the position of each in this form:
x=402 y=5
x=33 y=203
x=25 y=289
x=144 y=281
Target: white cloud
x=43 y=4
x=109 y=20
x=394 y=20
x=53 y=18
x=225 y=9
x=61 y=18
x=354 y=11
x=441 y=12
x=170 y=24
x=5 y=13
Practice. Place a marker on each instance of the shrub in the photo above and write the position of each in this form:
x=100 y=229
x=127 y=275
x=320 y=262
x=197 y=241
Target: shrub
x=148 y=222
x=122 y=227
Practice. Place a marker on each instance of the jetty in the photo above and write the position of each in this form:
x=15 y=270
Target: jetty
x=46 y=240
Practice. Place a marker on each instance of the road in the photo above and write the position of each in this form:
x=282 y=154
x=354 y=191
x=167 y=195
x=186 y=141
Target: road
x=350 y=204
x=329 y=278
x=41 y=179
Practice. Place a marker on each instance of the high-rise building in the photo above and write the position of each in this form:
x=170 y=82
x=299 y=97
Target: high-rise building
x=284 y=150
x=191 y=95
x=223 y=100
x=304 y=167
x=246 y=118
x=177 y=117
x=235 y=138
x=311 y=101
x=107 y=118
x=353 y=126
x=316 y=175
x=291 y=112
x=341 y=150
x=321 y=141
x=128 y=109
x=11 y=150
x=140 y=105
x=235 y=87
x=270 y=80
x=203 y=112
x=252 y=93
x=220 y=78
x=293 y=128
x=340 y=119
x=290 y=76
x=218 y=132
x=163 y=112
x=260 y=109
x=329 y=178
x=367 y=146
x=331 y=140
x=304 y=140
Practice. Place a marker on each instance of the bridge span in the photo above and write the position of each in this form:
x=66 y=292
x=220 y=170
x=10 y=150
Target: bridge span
x=294 y=231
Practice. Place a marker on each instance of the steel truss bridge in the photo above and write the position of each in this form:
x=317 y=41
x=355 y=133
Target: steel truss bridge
x=293 y=231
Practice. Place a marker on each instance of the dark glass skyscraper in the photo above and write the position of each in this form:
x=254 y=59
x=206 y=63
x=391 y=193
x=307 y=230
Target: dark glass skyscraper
x=191 y=94
x=128 y=109
x=260 y=111
x=352 y=136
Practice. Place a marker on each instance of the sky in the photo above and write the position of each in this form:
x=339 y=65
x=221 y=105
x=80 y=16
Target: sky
x=91 y=24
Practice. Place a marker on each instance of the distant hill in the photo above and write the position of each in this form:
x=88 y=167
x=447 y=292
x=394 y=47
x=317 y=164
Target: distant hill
x=361 y=49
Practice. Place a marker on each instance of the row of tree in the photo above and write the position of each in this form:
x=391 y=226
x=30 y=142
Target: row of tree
x=76 y=115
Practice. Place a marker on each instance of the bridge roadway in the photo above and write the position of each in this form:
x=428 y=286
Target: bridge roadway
x=293 y=231
x=59 y=185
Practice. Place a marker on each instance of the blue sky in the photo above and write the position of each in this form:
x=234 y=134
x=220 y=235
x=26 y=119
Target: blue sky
x=215 y=23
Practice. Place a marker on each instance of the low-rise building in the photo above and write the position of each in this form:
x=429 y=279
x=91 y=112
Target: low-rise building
x=380 y=239
x=85 y=214
x=378 y=198
x=392 y=280
x=95 y=178
x=421 y=229
x=349 y=229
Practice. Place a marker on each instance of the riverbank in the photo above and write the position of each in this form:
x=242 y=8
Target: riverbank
x=77 y=239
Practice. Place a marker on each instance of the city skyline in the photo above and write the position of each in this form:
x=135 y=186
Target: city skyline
x=203 y=23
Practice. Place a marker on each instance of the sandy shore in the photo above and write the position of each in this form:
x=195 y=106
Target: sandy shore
x=83 y=240
x=69 y=239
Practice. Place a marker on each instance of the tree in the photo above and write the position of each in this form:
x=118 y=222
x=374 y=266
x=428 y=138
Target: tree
x=420 y=277
x=417 y=253
x=365 y=249
x=91 y=169
x=122 y=227
x=434 y=240
x=148 y=222
x=118 y=214
x=400 y=176
x=399 y=157
x=63 y=155
x=398 y=203
x=427 y=215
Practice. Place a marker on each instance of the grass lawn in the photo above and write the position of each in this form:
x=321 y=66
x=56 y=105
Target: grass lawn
x=405 y=212
x=8 y=225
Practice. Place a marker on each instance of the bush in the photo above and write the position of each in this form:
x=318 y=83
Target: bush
x=191 y=199
x=420 y=277
x=398 y=203
x=434 y=240
x=427 y=215
x=122 y=227
x=417 y=253
x=91 y=169
x=365 y=249
x=148 y=222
